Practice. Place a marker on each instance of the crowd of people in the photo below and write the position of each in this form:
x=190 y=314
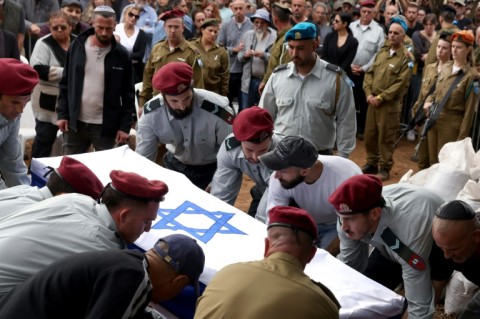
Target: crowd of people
x=278 y=91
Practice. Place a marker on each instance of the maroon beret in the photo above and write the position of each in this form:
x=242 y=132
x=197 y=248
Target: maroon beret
x=253 y=124
x=80 y=177
x=368 y=4
x=175 y=13
x=136 y=187
x=173 y=78
x=357 y=194
x=294 y=218
x=16 y=78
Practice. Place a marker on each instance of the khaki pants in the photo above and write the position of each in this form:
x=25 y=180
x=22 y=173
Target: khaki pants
x=380 y=133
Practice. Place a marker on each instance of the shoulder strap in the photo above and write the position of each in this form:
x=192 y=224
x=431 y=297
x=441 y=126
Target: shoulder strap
x=232 y=143
x=218 y=111
x=395 y=244
x=441 y=105
x=280 y=67
x=152 y=105
x=328 y=292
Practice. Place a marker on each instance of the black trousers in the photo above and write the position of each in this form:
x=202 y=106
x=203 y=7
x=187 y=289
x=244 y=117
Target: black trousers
x=199 y=175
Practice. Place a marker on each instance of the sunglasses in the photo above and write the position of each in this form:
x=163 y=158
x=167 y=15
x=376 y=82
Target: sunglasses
x=131 y=15
x=59 y=28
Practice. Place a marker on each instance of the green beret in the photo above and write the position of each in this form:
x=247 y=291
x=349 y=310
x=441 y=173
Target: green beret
x=301 y=31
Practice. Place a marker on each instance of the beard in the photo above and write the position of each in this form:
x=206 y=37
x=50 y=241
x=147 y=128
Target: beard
x=259 y=34
x=291 y=184
x=179 y=114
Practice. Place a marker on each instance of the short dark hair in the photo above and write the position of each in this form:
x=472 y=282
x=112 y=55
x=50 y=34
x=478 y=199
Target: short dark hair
x=57 y=185
x=112 y=199
x=448 y=16
x=281 y=14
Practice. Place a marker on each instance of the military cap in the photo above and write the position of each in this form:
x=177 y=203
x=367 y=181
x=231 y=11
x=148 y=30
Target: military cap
x=253 y=124
x=282 y=7
x=16 y=78
x=350 y=2
x=455 y=210
x=173 y=78
x=292 y=151
x=401 y=20
x=184 y=255
x=175 y=13
x=209 y=22
x=292 y=217
x=136 y=187
x=79 y=177
x=463 y=36
x=460 y=2
x=368 y=4
x=68 y=3
x=302 y=31
x=357 y=194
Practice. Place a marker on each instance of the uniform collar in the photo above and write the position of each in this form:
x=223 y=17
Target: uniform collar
x=316 y=70
x=286 y=257
x=182 y=45
x=45 y=192
x=106 y=217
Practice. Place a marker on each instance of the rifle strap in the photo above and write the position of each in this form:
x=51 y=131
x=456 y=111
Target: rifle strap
x=447 y=96
x=420 y=106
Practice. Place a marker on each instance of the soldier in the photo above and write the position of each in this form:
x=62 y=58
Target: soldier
x=311 y=98
x=384 y=85
x=17 y=81
x=216 y=63
x=174 y=49
x=279 y=54
x=397 y=223
x=252 y=136
x=193 y=123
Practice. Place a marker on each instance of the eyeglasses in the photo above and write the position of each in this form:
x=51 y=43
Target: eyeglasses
x=131 y=15
x=59 y=28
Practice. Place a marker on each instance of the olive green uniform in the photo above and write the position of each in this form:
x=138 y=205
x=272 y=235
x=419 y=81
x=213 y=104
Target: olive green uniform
x=430 y=74
x=216 y=67
x=388 y=78
x=455 y=119
x=279 y=54
x=161 y=55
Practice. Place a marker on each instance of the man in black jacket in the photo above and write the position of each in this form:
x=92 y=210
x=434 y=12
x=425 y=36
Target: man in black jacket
x=96 y=101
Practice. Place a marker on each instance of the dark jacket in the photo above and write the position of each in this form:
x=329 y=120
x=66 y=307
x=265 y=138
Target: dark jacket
x=118 y=99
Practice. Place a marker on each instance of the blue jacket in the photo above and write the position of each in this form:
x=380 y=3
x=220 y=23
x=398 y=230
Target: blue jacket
x=119 y=96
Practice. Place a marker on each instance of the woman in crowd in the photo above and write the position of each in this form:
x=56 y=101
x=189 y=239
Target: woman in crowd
x=92 y=4
x=455 y=118
x=430 y=75
x=198 y=18
x=48 y=59
x=210 y=8
x=216 y=65
x=340 y=46
x=133 y=39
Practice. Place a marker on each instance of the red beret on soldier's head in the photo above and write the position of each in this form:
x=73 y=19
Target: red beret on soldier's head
x=294 y=218
x=173 y=78
x=175 y=13
x=79 y=177
x=253 y=124
x=368 y=4
x=136 y=187
x=357 y=194
x=16 y=78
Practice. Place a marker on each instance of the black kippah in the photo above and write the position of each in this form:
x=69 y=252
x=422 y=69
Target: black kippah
x=455 y=210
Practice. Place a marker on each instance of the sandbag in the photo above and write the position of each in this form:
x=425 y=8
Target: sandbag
x=458 y=293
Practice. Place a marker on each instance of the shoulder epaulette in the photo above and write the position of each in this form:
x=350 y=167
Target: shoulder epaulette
x=231 y=143
x=152 y=105
x=334 y=68
x=280 y=67
x=327 y=291
x=218 y=111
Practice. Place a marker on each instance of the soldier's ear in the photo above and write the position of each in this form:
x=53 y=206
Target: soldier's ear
x=376 y=213
x=476 y=236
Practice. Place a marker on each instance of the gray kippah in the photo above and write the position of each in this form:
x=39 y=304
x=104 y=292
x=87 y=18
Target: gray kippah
x=455 y=210
x=104 y=9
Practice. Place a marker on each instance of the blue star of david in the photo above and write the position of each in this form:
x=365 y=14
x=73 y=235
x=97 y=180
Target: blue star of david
x=220 y=220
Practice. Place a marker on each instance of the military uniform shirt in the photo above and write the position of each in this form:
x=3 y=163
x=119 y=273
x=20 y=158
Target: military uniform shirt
x=306 y=107
x=231 y=165
x=21 y=196
x=408 y=212
x=35 y=237
x=160 y=56
x=278 y=55
x=193 y=140
x=275 y=287
x=13 y=170
x=216 y=68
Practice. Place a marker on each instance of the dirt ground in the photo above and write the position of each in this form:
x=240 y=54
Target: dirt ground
x=401 y=156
